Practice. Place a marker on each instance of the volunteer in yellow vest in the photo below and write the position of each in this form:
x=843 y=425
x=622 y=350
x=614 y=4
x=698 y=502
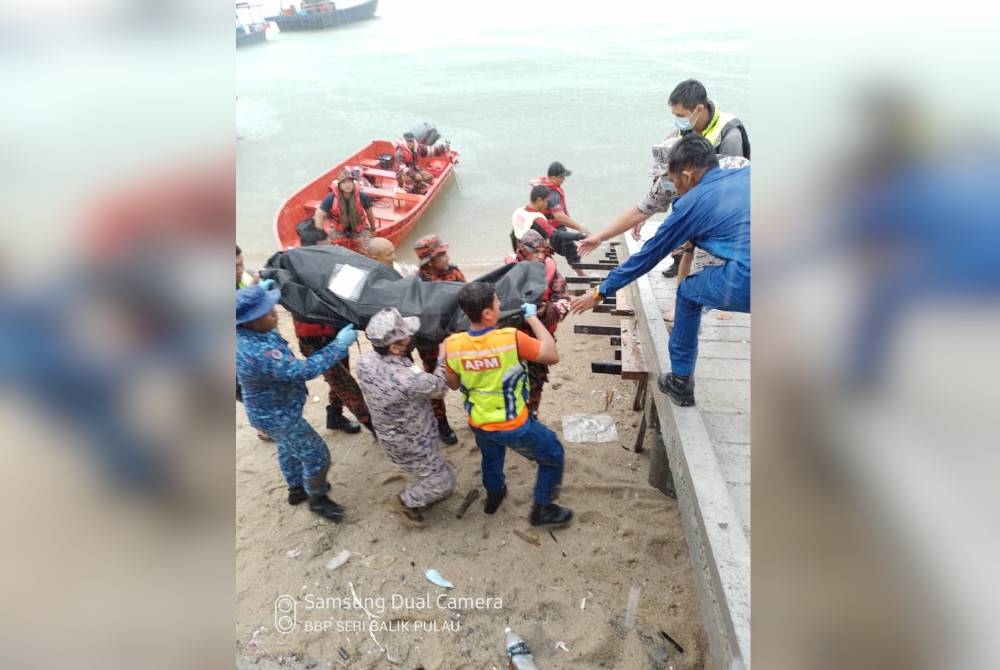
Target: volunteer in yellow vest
x=486 y=364
x=692 y=112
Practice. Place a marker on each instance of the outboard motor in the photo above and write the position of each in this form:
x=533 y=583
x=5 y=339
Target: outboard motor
x=426 y=133
x=385 y=161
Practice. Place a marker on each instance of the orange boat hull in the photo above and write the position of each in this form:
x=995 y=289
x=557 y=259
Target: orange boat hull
x=396 y=212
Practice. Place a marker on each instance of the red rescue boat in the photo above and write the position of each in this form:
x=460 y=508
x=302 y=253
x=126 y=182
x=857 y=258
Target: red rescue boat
x=396 y=211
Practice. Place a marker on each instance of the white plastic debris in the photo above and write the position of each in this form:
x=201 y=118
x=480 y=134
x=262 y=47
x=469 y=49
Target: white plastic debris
x=562 y=645
x=632 y=605
x=338 y=560
x=583 y=603
x=292 y=553
x=589 y=428
x=435 y=577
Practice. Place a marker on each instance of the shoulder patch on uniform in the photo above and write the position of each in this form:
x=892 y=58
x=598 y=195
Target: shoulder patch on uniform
x=275 y=354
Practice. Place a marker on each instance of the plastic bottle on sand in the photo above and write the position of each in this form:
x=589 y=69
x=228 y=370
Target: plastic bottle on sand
x=518 y=655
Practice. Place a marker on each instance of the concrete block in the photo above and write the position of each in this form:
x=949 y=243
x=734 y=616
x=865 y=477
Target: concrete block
x=722 y=368
x=728 y=427
x=712 y=395
x=737 y=350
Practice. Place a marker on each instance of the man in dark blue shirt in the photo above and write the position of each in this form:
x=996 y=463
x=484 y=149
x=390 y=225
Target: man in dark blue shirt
x=713 y=211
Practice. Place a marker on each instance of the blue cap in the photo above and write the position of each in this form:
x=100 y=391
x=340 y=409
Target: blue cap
x=254 y=302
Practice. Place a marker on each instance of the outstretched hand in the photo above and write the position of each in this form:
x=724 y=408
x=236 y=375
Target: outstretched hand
x=637 y=231
x=582 y=303
x=587 y=244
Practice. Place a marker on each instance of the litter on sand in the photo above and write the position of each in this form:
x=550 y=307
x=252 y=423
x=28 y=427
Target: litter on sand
x=338 y=560
x=435 y=577
x=562 y=645
x=589 y=428
x=292 y=553
x=527 y=538
x=583 y=603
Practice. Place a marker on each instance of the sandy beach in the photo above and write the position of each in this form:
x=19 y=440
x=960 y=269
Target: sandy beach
x=566 y=595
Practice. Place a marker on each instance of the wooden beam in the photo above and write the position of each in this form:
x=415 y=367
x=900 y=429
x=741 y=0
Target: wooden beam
x=605 y=368
x=585 y=329
x=633 y=365
x=591 y=266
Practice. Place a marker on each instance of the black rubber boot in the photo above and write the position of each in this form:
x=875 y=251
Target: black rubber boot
x=672 y=270
x=680 y=389
x=297 y=495
x=493 y=500
x=550 y=515
x=335 y=420
x=445 y=432
x=326 y=508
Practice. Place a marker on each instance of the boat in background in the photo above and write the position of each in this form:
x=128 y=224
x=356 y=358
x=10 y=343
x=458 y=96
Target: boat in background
x=396 y=211
x=317 y=15
x=250 y=27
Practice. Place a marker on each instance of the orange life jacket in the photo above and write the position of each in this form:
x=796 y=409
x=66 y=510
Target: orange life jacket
x=336 y=221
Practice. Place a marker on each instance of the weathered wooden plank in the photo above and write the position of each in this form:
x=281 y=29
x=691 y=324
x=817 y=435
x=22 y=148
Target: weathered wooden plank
x=633 y=364
x=586 y=329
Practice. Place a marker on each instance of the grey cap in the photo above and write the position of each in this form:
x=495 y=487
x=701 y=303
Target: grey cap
x=390 y=326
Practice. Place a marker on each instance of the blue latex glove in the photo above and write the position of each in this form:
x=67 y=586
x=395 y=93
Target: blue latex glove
x=529 y=309
x=346 y=337
x=266 y=284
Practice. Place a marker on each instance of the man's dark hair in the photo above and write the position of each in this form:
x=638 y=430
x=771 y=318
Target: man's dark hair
x=474 y=298
x=693 y=151
x=238 y=250
x=312 y=236
x=540 y=191
x=689 y=93
x=381 y=351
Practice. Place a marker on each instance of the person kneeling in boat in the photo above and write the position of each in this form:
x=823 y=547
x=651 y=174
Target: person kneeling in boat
x=410 y=176
x=399 y=395
x=554 y=307
x=349 y=211
x=436 y=266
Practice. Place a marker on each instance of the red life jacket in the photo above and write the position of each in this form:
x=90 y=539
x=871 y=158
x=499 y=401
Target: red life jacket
x=544 y=181
x=305 y=329
x=335 y=221
x=409 y=158
x=550 y=273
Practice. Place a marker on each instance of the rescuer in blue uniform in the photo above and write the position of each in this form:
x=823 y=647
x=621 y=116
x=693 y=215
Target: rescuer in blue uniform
x=274 y=392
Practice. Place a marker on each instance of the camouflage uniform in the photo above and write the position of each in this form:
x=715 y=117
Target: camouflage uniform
x=550 y=313
x=274 y=392
x=343 y=387
x=410 y=177
x=429 y=356
x=399 y=395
